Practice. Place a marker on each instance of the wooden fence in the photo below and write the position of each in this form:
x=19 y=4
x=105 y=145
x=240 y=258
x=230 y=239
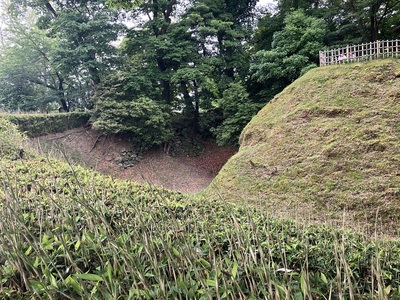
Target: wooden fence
x=362 y=52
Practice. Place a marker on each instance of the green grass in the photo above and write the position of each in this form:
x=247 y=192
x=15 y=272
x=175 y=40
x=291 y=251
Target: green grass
x=333 y=138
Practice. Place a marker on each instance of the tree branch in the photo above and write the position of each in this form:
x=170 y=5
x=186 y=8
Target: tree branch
x=51 y=10
x=42 y=83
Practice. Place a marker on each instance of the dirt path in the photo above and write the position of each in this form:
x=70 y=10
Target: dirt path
x=184 y=174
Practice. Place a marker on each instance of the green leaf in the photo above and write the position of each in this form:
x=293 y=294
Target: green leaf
x=36 y=262
x=70 y=281
x=205 y=263
x=109 y=271
x=323 y=278
x=176 y=252
x=303 y=283
x=53 y=281
x=234 y=269
x=91 y=277
x=36 y=285
x=47 y=243
x=28 y=251
x=298 y=296
x=77 y=245
x=387 y=290
x=211 y=283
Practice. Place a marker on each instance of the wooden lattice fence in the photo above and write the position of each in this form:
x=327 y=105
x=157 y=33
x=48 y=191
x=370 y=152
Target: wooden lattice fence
x=361 y=52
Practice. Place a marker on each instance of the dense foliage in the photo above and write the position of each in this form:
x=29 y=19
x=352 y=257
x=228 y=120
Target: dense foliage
x=34 y=125
x=294 y=49
x=142 y=118
x=10 y=140
x=183 y=55
x=55 y=53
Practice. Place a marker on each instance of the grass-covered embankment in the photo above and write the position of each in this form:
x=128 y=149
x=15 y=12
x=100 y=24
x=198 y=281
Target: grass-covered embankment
x=70 y=233
x=327 y=148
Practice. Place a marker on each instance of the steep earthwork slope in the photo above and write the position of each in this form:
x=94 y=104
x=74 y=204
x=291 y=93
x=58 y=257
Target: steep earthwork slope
x=326 y=148
x=181 y=173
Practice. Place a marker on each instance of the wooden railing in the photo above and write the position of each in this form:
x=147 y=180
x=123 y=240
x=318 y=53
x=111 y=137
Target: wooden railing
x=362 y=52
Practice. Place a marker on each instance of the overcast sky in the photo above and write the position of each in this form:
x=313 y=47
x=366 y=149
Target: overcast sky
x=264 y=2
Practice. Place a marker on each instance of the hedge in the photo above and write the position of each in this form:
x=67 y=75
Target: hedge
x=34 y=125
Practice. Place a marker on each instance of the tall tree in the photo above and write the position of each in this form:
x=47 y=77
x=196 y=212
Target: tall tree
x=376 y=16
x=27 y=79
x=84 y=30
x=190 y=56
x=81 y=51
x=152 y=42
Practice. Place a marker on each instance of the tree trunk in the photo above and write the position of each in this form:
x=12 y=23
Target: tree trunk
x=94 y=76
x=166 y=92
x=60 y=88
x=50 y=9
x=63 y=102
x=186 y=97
x=166 y=85
x=197 y=106
x=374 y=22
x=190 y=110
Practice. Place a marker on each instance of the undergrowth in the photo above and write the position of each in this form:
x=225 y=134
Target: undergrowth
x=70 y=233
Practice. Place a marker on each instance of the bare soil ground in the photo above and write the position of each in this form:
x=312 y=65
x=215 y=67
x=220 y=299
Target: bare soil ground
x=103 y=153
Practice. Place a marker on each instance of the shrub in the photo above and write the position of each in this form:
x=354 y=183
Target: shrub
x=141 y=117
x=35 y=125
x=11 y=140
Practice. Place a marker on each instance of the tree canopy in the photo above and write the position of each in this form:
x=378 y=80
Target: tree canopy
x=214 y=62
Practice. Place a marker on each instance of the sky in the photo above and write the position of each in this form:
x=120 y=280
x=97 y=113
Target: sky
x=266 y=2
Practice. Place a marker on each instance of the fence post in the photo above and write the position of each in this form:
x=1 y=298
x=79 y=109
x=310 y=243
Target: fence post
x=362 y=51
x=322 y=59
x=378 y=46
x=372 y=50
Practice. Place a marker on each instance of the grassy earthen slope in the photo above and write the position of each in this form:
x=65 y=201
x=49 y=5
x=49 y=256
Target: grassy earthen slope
x=327 y=146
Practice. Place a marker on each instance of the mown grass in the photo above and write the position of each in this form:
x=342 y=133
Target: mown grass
x=325 y=146
x=70 y=233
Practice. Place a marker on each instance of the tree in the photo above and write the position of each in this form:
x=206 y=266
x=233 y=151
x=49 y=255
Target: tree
x=153 y=44
x=376 y=17
x=266 y=27
x=27 y=78
x=238 y=109
x=360 y=21
x=188 y=61
x=80 y=51
x=84 y=31
x=294 y=49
